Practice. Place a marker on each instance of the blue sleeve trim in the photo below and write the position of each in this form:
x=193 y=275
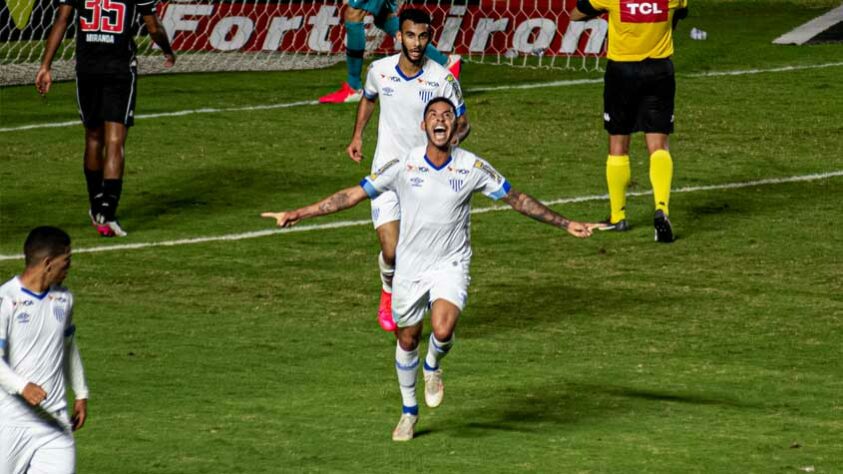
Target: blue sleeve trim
x=502 y=192
x=369 y=188
x=71 y=330
x=370 y=96
x=461 y=110
x=2 y=343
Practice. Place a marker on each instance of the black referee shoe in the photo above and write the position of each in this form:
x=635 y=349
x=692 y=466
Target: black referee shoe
x=664 y=230
x=619 y=226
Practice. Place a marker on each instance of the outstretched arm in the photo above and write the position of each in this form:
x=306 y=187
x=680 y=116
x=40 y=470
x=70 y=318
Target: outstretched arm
x=334 y=203
x=44 y=79
x=530 y=207
x=364 y=113
x=159 y=36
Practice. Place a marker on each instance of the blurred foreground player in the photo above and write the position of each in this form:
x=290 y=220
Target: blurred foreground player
x=37 y=355
x=434 y=184
x=106 y=87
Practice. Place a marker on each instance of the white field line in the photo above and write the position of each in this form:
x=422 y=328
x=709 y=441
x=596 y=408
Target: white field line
x=565 y=83
x=336 y=225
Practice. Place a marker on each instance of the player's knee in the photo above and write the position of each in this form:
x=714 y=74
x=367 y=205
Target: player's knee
x=408 y=341
x=388 y=255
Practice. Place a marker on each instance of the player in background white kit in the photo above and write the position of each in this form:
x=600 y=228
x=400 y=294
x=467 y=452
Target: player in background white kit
x=403 y=83
x=434 y=184
x=37 y=353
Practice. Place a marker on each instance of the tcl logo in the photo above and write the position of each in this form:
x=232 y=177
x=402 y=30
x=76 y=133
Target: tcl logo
x=636 y=11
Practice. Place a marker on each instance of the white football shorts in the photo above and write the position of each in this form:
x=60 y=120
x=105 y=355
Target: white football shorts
x=411 y=299
x=38 y=448
x=385 y=208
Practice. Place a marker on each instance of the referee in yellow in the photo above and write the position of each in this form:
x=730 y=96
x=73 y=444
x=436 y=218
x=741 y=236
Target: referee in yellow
x=638 y=94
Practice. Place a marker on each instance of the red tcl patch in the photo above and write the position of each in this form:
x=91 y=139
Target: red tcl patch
x=644 y=11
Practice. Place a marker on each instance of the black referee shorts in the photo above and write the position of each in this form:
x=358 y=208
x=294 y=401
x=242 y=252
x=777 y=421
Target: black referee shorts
x=638 y=97
x=106 y=98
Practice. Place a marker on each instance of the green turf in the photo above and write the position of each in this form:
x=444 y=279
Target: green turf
x=718 y=353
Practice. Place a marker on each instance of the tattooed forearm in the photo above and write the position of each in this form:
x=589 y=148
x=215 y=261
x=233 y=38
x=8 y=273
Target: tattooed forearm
x=334 y=203
x=530 y=207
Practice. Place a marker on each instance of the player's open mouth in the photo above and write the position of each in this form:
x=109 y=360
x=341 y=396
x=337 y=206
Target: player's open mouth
x=439 y=131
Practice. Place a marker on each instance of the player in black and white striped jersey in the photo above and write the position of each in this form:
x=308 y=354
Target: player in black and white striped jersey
x=106 y=88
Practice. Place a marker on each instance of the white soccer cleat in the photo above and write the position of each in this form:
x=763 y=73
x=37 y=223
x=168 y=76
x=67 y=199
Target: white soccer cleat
x=406 y=428
x=434 y=388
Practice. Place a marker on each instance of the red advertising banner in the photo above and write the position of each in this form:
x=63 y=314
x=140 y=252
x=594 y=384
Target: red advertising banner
x=490 y=27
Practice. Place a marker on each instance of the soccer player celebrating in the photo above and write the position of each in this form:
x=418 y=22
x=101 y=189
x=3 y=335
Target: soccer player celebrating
x=106 y=87
x=385 y=19
x=638 y=95
x=37 y=353
x=434 y=184
x=403 y=83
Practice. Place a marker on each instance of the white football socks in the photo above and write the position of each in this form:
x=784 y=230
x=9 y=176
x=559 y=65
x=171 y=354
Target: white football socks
x=436 y=350
x=387 y=272
x=407 y=366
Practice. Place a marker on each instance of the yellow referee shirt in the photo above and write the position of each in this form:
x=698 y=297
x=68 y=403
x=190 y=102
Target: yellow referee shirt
x=639 y=29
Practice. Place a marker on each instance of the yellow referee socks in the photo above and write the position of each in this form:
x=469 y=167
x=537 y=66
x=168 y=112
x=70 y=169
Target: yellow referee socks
x=661 y=175
x=617 y=178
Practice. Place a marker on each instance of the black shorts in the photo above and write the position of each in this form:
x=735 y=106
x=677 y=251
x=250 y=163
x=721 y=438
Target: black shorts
x=638 y=97
x=106 y=98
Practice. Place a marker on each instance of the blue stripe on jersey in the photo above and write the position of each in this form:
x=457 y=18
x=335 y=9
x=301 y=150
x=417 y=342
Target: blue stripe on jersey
x=437 y=168
x=32 y=293
x=369 y=188
x=370 y=96
x=71 y=330
x=401 y=73
x=2 y=343
x=461 y=110
x=410 y=410
x=503 y=191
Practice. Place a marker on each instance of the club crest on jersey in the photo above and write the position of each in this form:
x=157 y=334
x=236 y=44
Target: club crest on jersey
x=383 y=169
x=488 y=170
x=59 y=313
x=425 y=96
x=456 y=184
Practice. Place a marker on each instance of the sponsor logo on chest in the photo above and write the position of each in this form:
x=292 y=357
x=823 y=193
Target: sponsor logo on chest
x=638 y=11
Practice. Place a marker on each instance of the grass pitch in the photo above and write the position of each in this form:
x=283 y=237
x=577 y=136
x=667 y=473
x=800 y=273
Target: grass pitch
x=718 y=353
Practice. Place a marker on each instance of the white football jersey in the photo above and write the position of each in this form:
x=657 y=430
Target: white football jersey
x=33 y=328
x=402 y=101
x=435 y=204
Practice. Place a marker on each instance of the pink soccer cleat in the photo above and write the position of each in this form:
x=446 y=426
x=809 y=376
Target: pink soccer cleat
x=385 y=313
x=454 y=65
x=344 y=94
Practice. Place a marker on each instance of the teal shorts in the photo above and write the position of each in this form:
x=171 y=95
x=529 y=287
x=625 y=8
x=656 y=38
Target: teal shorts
x=375 y=7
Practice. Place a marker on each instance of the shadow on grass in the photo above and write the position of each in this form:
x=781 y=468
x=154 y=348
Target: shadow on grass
x=528 y=305
x=570 y=404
